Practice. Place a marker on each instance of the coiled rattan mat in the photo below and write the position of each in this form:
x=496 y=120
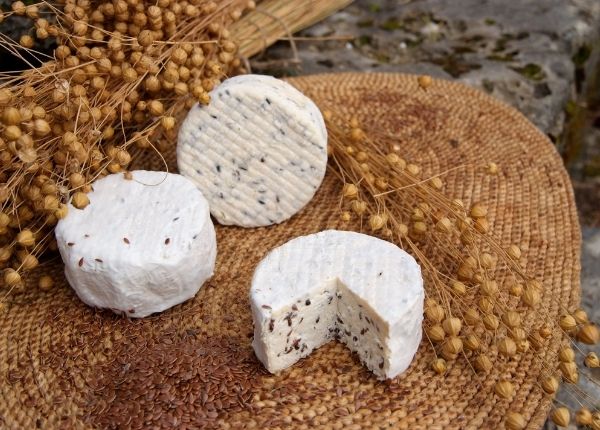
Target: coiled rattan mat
x=64 y=365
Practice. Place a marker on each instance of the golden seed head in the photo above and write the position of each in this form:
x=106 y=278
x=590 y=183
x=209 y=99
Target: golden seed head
x=25 y=238
x=486 y=305
x=346 y=216
x=535 y=340
x=444 y=225
x=566 y=354
x=511 y=319
x=28 y=261
x=80 y=200
x=413 y=169
x=550 y=385
x=167 y=122
x=568 y=369
x=425 y=81
x=12 y=132
x=588 y=334
x=490 y=321
x=381 y=183
x=392 y=158
x=459 y=288
x=567 y=322
x=514 y=252
x=518 y=333
x=357 y=134
x=487 y=261
x=522 y=345
x=458 y=205
x=434 y=312
x=439 y=366
x=483 y=363
x=361 y=156
x=561 y=417
x=435 y=333
x=76 y=180
x=451 y=348
x=591 y=360
x=45 y=283
x=62 y=211
x=504 y=389
x=452 y=326
x=545 y=331
x=489 y=288
x=417 y=215
x=471 y=316
x=472 y=343
x=12 y=277
x=402 y=230
x=515 y=421
x=584 y=417
x=492 y=168
x=419 y=227
x=531 y=297
x=50 y=203
x=359 y=207
x=350 y=191
x=437 y=183
x=376 y=222
x=507 y=347
x=478 y=210
x=580 y=316
x=11 y=116
x=482 y=225
x=4 y=219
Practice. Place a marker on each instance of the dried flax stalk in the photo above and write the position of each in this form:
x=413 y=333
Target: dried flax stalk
x=469 y=314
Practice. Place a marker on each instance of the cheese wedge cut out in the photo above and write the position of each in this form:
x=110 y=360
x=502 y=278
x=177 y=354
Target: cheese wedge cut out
x=363 y=291
x=258 y=151
x=141 y=246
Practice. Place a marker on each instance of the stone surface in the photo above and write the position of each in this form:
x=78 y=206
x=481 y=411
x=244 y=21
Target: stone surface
x=525 y=53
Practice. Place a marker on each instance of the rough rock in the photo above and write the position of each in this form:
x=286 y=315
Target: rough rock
x=527 y=53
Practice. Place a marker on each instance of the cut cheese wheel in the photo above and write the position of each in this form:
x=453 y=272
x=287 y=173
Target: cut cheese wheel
x=366 y=292
x=141 y=246
x=258 y=151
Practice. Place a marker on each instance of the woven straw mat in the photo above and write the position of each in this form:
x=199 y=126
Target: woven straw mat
x=64 y=365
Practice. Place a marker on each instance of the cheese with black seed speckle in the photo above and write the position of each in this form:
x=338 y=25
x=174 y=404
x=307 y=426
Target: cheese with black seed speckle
x=141 y=246
x=364 y=291
x=258 y=151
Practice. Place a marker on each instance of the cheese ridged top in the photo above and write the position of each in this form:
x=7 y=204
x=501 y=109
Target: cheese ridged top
x=379 y=272
x=258 y=151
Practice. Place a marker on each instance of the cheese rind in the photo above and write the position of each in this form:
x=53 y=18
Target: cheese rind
x=366 y=292
x=258 y=151
x=141 y=245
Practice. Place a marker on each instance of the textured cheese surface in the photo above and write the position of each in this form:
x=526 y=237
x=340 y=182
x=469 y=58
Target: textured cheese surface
x=366 y=292
x=141 y=245
x=258 y=151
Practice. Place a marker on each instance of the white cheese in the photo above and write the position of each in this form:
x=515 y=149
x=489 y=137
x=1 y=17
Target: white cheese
x=366 y=292
x=258 y=151
x=141 y=246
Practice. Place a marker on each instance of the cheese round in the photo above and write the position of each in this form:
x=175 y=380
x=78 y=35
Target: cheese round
x=258 y=151
x=141 y=246
x=363 y=291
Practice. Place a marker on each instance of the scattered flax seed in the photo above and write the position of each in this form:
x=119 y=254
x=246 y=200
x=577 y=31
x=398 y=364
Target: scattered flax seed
x=80 y=262
x=167 y=241
x=126 y=240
